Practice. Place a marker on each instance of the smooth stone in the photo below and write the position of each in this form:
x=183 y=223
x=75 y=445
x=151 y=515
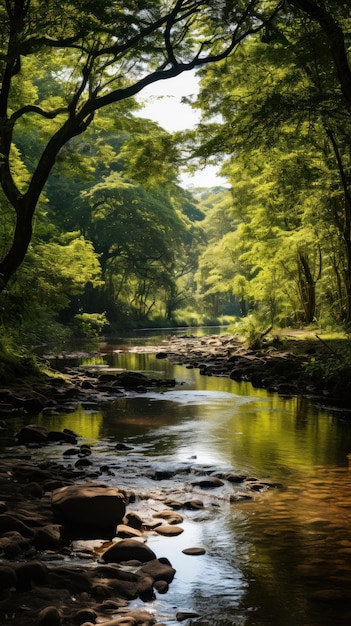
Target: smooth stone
x=183 y=615
x=128 y=550
x=209 y=483
x=159 y=569
x=134 y=520
x=85 y=615
x=50 y=616
x=194 y=504
x=89 y=505
x=170 y=516
x=169 y=530
x=127 y=531
x=194 y=551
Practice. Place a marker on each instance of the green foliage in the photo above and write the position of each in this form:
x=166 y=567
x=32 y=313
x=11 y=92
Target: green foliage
x=90 y=324
x=285 y=251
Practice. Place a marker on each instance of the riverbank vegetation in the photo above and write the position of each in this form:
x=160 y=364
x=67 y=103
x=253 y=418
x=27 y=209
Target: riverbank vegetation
x=90 y=191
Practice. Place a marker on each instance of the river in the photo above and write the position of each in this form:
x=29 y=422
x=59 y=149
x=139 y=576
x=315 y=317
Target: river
x=282 y=559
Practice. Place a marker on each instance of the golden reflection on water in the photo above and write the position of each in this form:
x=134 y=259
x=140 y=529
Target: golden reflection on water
x=297 y=566
x=86 y=425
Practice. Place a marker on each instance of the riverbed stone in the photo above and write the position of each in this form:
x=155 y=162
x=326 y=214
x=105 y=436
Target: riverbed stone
x=125 y=531
x=194 y=504
x=170 y=516
x=32 y=433
x=89 y=505
x=208 y=483
x=50 y=616
x=8 y=577
x=159 y=569
x=194 y=551
x=168 y=530
x=133 y=519
x=127 y=550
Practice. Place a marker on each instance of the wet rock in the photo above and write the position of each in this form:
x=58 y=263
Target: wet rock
x=30 y=574
x=193 y=504
x=94 y=506
x=183 y=615
x=10 y=522
x=122 y=446
x=194 y=551
x=235 y=478
x=240 y=497
x=159 y=569
x=170 y=516
x=133 y=519
x=83 y=463
x=161 y=586
x=63 y=437
x=77 y=580
x=125 y=531
x=208 y=483
x=174 y=504
x=48 y=537
x=168 y=530
x=84 y=615
x=163 y=474
x=127 y=550
x=32 y=434
x=33 y=406
x=8 y=577
x=50 y=616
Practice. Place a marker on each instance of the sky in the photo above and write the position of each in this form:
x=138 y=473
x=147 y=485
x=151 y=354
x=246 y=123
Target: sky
x=162 y=104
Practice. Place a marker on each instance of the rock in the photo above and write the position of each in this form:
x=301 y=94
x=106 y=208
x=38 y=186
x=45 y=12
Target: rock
x=134 y=520
x=94 y=505
x=183 y=615
x=32 y=434
x=122 y=446
x=194 y=551
x=169 y=530
x=33 y=406
x=48 y=537
x=8 y=577
x=127 y=531
x=50 y=616
x=193 y=504
x=159 y=569
x=30 y=574
x=209 y=483
x=63 y=437
x=161 y=586
x=10 y=522
x=170 y=516
x=128 y=550
x=85 y=615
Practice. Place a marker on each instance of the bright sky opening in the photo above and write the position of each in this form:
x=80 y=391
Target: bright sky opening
x=162 y=103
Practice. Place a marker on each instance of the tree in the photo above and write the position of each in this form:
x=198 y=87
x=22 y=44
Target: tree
x=98 y=54
x=293 y=192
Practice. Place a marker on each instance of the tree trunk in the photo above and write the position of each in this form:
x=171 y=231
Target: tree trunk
x=21 y=240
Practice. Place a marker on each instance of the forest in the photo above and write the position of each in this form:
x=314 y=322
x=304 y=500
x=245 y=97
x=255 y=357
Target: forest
x=97 y=234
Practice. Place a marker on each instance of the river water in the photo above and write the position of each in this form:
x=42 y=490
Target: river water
x=283 y=559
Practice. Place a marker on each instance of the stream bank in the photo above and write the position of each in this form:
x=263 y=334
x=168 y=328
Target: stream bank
x=70 y=563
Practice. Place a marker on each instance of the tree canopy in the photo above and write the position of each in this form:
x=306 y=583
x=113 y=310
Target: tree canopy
x=81 y=171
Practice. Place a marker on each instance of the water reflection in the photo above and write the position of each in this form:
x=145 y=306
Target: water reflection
x=284 y=559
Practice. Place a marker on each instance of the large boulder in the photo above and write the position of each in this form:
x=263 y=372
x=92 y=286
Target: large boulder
x=91 y=505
